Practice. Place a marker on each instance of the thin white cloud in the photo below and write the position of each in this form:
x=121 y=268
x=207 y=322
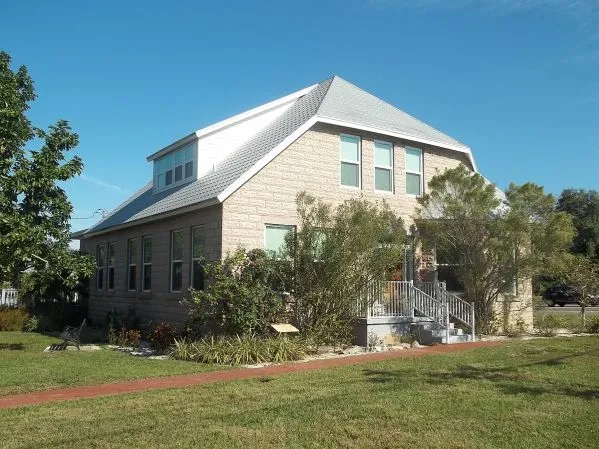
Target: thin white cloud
x=584 y=13
x=104 y=184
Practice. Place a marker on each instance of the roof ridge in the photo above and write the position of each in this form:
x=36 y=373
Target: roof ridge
x=394 y=107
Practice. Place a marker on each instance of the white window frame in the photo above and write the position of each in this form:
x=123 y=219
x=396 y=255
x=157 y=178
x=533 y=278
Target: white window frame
x=129 y=265
x=173 y=260
x=100 y=268
x=278 y=225
x=421 y=173
x=146 y=264
x=172 y=167
x=359 y=163
x=110 y=254
x=391 y=168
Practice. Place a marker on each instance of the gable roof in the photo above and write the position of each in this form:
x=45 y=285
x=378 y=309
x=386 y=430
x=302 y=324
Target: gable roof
x=332 y=101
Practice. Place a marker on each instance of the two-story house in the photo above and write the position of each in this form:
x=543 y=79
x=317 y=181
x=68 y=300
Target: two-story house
x=235 y=183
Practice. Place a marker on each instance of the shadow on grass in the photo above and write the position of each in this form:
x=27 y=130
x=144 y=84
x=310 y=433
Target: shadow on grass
x=11 y=347
x=507 y=379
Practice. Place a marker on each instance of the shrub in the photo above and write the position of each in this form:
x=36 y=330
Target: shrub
x=124 y=337
x=242 y=295
x=548 y=325
x=336 y=253
x=516 y=330
x=238 y=350
x=32 y=324
x=162 y=337
x=13 y=319
x=592 y=325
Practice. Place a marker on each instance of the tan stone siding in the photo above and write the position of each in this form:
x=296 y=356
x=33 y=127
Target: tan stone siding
x=312 y=164
x=159 y=304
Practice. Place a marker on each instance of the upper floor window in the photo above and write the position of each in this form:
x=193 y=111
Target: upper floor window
x=351 y=161
x=174 y=167
x=383 y=166
x=413 y=171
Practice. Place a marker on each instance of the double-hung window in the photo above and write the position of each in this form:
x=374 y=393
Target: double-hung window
x=100 y=259
x=198 y=241
x=146 y=275
x=132 y=264
x=274 y=237
x=111 y=257
x=351 y=161
x=174 y=167
x=176 y=260
x=413 y=171
x=383 y=166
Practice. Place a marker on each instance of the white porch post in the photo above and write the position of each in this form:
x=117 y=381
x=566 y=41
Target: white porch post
x=472 y=320
x=446 y=322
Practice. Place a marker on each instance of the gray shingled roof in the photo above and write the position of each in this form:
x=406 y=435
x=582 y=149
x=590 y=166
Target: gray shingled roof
x=334 y=98
x=347 y=102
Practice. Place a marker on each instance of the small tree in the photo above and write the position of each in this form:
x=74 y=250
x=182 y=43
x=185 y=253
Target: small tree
x=242 y=295
x=495 y=241
x=583 y=207
x=336 y=254
x=582 y=273
x=34 y=209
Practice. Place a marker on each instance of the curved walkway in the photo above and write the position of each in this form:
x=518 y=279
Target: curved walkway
x=180 y=381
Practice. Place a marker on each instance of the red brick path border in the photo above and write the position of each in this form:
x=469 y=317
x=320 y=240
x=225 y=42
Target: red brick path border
x=179 y=381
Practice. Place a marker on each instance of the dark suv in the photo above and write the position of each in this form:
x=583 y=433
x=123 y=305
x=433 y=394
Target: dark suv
x=561 y=295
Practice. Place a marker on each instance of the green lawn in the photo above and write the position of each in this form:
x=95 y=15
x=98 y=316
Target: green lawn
x=525 y=394
x=570 y=320
x=24 y=367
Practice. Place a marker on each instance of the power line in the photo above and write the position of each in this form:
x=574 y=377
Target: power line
x=102 y=212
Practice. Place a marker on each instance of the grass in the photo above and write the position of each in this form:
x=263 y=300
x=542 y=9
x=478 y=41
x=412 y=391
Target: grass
x=24 y=367
x=571 y=320
x=536 y=394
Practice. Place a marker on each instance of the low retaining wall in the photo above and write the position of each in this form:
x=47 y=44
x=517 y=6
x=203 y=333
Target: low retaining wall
x=385 y=328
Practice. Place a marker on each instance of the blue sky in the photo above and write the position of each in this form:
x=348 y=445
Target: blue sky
x=517 y=80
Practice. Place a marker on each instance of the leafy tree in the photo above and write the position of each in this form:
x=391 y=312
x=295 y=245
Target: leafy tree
x=582 y=273
x=242 y=295
x=583 y=206
x=336 y=253
x=495 y=240
x=34 y=209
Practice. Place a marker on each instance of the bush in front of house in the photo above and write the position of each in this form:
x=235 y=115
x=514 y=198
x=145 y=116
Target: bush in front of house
x=242 y=295
x=337 y=253
x=124 y=337
x=13 y=319
x=239 y=350
x=592 y=324
x=548 y=325
x=161 y=337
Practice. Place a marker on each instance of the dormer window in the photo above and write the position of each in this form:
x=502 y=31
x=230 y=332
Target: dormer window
x=174 y=168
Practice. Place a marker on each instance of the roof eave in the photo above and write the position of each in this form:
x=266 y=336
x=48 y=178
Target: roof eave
x=151 y=218
x=461 y=148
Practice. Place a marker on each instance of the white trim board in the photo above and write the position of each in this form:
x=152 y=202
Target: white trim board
x=461 y=149
x=231 y=121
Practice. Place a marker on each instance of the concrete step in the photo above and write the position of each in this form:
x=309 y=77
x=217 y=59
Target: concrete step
x=433 y=333
x=431 y=325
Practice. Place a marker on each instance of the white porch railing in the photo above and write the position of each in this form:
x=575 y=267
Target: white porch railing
x=399 y=299
x=458 y=308
x=9 y=297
